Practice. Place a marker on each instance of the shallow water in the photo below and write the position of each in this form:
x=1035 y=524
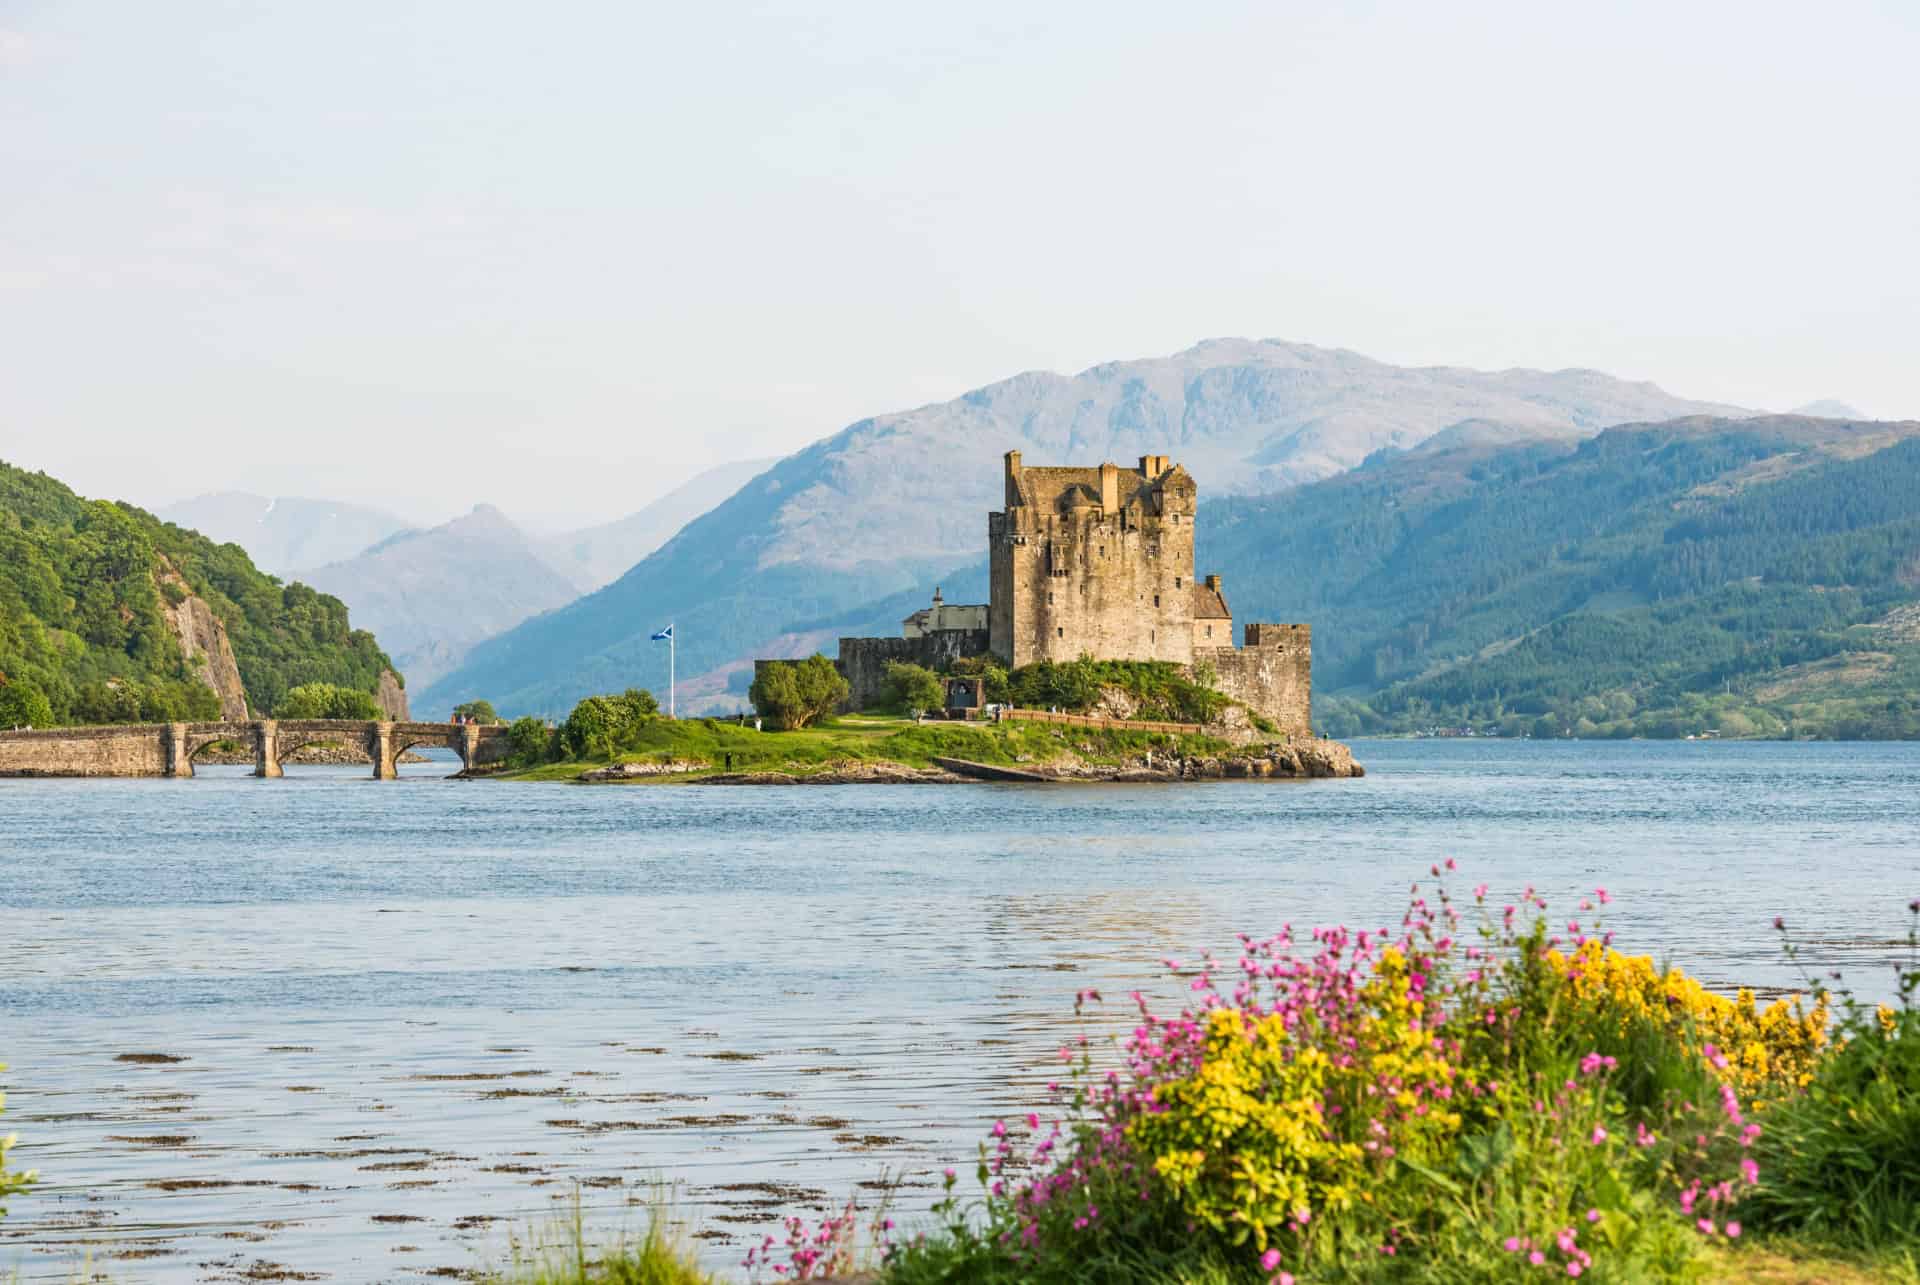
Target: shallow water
x=409 y=1017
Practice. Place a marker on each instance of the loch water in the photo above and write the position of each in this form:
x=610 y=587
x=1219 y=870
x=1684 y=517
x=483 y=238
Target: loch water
x=329 y=1028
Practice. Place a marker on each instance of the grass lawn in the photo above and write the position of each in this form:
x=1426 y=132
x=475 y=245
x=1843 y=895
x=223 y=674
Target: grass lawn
x=864 y=738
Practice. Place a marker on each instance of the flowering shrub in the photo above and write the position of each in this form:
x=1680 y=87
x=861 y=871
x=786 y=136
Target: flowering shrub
x=1418 y=1103
x=1764 y=1050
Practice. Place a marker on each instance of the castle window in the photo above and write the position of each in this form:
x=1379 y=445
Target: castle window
x=1176 y=582
x=1209 y=631
x=1060 y=632
x=1156 y=599
x=1103 y=550
x=1049 y=598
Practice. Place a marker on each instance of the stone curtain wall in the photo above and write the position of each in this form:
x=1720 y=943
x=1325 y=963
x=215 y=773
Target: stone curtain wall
x=85 y=751
x=863 y=661
x=1272 y=674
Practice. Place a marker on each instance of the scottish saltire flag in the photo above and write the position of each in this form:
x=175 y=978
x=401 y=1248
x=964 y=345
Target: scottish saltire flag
x=665 y=635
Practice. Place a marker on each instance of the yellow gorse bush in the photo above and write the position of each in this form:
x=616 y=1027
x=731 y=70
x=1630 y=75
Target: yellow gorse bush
x=1246 y=1141
x=1764 y=1049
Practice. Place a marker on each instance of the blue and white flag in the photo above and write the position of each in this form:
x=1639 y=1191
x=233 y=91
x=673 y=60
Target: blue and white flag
x=665 y=635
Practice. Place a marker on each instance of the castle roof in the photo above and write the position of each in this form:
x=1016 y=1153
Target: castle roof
x=1209 y=603
x=1049 y=487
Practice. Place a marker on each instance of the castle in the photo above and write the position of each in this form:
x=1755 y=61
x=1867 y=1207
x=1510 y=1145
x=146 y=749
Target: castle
x=1099 y=562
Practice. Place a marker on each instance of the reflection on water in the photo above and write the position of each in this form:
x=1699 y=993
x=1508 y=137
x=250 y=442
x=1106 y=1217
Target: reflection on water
x=358 y=1031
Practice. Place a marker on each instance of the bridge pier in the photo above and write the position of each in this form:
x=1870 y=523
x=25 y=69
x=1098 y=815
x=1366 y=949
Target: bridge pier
x=266 y=749
x=380 y=750
x=179 y=760
x=469 y=745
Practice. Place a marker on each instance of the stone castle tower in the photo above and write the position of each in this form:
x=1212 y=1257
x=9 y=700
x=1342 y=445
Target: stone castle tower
x=1099 y=562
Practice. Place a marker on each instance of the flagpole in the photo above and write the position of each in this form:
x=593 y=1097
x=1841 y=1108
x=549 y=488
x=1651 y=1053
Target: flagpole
x=672 y=642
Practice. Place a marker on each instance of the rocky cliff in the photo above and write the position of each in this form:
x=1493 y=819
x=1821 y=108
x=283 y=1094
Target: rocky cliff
x=203 y=641
x=393 y=697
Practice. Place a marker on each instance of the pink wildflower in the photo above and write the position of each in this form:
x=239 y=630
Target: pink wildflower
x=1269 y=1260
x=1749 y=1170
x=1513 y=1244
x=1599 y=1135
x=1593 y=1215
x=1706 y=1226
x=1733 y=1230
x=1536 y=1258
x=1573 y=1269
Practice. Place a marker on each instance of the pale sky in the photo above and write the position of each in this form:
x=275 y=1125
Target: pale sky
x=420 y=253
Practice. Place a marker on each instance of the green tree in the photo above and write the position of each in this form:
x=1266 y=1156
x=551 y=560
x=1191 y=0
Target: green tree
x=530 y=742
x=914 y=688
x=24 y=705
x=599 y=725
x=325 y=700
x=794 y=693
x=476 y=712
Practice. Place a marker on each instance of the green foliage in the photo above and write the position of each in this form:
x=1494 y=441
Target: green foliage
x=913 y=688
x=532 y=742
x=994 y=683
x=24 y=705
x=84 y=592
x=1841 y=1163
x=11 y=1184
x=324 y=700
x=598 y=725
x=793 y=693
x=476 y=712
x=1160 y=689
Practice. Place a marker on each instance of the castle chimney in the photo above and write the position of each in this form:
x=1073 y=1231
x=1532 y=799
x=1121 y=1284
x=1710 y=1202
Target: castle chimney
x=1013 y=479
x=1110 y=488
x=937 y=599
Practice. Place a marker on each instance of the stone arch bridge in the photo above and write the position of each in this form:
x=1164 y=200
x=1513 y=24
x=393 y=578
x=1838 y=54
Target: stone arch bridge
x=168 y=749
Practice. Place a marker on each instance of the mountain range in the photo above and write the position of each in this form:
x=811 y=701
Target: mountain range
x=598 y=555
x=888 y=504
x=430 y=595
x=281 y=534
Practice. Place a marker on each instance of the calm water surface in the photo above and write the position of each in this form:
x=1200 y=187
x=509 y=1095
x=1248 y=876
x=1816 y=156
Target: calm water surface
x=407 y=1018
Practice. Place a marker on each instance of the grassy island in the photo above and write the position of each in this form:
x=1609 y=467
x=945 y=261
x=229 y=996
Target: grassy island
x=691 y=749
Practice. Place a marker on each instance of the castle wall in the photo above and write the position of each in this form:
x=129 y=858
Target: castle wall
x=1272 y=674
x=863 y=661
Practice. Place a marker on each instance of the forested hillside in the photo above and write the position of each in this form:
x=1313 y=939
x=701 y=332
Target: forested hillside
x=91 y=618
x=1745 y=577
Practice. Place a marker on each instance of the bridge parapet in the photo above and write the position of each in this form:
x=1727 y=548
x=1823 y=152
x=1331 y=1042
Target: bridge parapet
x=168 y=749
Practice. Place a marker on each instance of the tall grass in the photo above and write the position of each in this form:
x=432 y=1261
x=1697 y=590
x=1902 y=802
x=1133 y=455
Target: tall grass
x=561 y=1254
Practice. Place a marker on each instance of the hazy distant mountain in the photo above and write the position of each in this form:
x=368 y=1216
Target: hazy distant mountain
x=596 y=555
x=283 y=533
x=890 y=501
x=430 y=595
x=1828 y=408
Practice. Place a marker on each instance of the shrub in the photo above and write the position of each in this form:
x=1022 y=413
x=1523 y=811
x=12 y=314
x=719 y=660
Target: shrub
x=24 y=705
x=913 y=688
x=325 y=700
x=1842 y=1161
x=1159 y=689
x=11 y=1184
x=793 y=693
x=480 y=711
x=531 y=742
